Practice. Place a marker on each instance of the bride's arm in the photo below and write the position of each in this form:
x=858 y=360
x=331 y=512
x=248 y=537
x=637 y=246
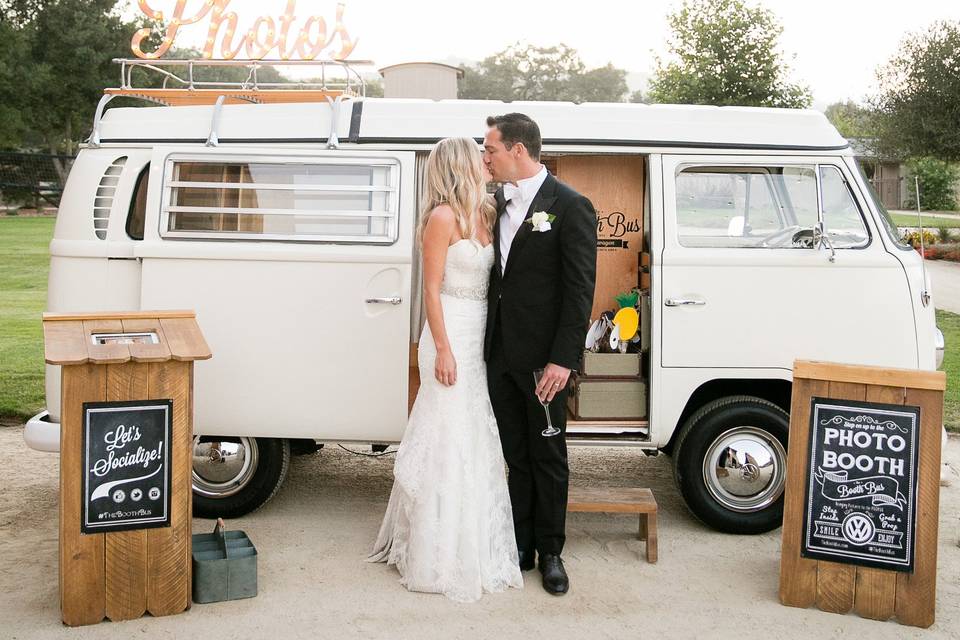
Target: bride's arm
x=436 y=240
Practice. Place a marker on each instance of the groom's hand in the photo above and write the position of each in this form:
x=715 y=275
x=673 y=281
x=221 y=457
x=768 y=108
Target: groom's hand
x=554 y=379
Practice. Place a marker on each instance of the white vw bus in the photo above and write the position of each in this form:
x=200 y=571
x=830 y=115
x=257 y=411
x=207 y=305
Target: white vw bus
x=289 y=228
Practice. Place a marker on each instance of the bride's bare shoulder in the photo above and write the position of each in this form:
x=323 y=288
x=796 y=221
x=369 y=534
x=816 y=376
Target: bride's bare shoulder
x=441 y=225
x=441 y=214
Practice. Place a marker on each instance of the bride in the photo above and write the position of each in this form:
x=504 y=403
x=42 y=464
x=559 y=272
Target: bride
x=448 y=527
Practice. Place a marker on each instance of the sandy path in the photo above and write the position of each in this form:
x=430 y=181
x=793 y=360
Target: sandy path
x=314 y=584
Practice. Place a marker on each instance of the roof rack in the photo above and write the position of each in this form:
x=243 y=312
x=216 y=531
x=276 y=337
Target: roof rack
x=180 y=86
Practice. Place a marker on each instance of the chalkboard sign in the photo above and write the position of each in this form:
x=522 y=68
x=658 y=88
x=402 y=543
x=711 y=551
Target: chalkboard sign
x=127 y=467
x=861 y=484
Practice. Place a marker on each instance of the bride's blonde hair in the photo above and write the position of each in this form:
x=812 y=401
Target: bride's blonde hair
x=454 y=177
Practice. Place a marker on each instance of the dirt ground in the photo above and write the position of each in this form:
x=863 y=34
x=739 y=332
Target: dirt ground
x=313 y=583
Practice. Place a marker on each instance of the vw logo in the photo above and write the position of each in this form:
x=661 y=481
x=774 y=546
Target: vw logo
x=858 y=529
x=749 y=472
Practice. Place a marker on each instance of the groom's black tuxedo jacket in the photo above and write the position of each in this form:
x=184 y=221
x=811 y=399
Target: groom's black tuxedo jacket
x=542 y=301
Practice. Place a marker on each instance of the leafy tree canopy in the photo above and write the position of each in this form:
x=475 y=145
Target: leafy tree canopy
x=725 y=52
x=526 y=72
x=55 y=62
x=851 y=119
x=918 y=102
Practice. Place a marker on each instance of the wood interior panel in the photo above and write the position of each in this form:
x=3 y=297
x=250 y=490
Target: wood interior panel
x=615 y=185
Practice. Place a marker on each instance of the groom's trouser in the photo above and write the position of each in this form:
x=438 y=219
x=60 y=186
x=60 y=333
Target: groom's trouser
x=538 y=464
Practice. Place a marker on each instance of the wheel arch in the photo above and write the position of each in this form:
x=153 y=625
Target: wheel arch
x=775 y=390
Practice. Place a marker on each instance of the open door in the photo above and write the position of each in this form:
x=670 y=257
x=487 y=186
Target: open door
x=298 y=264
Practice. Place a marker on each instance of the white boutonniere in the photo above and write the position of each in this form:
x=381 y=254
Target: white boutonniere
x=541 y=220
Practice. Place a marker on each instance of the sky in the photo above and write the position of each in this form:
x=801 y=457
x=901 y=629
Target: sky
x=833 y=46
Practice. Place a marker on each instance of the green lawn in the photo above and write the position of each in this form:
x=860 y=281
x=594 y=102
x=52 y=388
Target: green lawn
x=949 y=323
x=24 y=260
x=907 y=220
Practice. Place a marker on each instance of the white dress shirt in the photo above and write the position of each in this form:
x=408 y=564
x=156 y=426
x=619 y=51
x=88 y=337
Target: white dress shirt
x=519 y=199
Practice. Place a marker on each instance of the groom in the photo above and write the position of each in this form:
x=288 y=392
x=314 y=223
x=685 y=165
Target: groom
x=539 y=302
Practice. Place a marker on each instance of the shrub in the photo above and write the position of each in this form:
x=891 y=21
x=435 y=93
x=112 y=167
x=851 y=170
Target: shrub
x=937 y=180
x=945 y=234
x=913 y=238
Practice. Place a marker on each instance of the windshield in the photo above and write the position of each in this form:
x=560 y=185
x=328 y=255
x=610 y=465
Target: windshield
x=888 y=224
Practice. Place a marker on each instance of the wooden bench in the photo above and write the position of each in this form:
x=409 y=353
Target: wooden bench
x=620 y=500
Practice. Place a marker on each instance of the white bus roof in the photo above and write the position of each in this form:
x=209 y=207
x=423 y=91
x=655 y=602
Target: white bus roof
x=423 y=122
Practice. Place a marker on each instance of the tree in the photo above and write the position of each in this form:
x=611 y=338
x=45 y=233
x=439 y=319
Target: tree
x=724 y=52
x=57 y=58
x=526 y=72
x=55 y=62
x=937 y=180
x=918 y=102
x=373 y=87
x=851 y=119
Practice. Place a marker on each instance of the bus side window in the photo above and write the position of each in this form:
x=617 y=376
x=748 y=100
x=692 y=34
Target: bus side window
x=138 y=205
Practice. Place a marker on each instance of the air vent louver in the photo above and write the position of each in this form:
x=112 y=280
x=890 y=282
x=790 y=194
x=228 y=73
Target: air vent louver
x=104 y=199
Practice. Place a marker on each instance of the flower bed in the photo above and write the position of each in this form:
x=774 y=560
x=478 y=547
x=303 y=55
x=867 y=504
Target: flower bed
x=950 y=251
x=936 y=246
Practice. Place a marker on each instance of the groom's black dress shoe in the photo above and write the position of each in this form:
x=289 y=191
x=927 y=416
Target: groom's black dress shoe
x=527 y=560
x=555 y=580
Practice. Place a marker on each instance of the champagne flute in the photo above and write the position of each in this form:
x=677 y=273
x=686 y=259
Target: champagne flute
x=550 y=430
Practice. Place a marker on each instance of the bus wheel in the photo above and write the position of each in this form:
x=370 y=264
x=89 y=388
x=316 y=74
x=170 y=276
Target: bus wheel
x=233 y=476
x=730 y=464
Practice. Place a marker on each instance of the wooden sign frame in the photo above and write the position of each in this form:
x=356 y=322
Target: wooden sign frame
x=879 y=594
x=126 y=486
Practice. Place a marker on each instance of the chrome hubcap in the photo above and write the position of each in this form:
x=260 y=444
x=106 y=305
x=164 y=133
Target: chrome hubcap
x=744 y=469
x=221 y=468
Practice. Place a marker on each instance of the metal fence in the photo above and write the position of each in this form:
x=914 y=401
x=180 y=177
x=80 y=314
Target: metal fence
x=41 y=175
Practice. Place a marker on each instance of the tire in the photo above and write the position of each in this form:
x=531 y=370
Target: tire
x=234 y=476
x=730 y=464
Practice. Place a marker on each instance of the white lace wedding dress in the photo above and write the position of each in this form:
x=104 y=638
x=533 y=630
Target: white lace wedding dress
x=448 y=527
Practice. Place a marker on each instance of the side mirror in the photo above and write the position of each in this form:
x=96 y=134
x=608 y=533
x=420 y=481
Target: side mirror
x=820 y=238
x=735 y=228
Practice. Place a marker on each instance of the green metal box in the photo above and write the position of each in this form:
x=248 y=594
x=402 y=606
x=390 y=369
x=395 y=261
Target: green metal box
x=224 y=566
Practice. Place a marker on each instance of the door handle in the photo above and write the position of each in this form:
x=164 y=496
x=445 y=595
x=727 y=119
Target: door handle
x=684 y=302
x=395 y=300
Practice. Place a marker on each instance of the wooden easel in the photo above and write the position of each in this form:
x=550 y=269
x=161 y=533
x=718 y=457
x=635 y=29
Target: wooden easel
x=873 y=593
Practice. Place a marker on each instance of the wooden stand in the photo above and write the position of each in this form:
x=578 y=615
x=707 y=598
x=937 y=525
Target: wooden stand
x=123 y=574
x=621 y=500
x=870 y=592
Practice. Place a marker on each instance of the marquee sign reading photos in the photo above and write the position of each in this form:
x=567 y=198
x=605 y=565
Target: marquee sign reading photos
x=862 y=484
x=284 y=36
